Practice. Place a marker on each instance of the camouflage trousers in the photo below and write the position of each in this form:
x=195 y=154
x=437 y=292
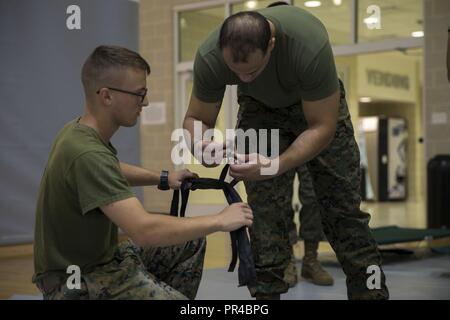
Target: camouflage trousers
x=336 y=179
x=309 y=215
x=159 y=273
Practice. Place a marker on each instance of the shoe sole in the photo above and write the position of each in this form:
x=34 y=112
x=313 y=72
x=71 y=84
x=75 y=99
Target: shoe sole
x=310 y=279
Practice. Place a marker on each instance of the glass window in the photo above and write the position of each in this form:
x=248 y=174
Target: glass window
x=194 y=26
x=387 y=19
x=336 y=15
x=250 y=5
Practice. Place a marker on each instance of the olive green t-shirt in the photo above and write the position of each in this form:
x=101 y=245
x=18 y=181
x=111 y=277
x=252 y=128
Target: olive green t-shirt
x=301 y=65
x=81 y=175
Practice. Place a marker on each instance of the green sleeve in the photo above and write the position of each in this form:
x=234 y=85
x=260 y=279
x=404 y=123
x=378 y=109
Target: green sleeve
x=319 y=78
x=208 y=87
x=96 y=180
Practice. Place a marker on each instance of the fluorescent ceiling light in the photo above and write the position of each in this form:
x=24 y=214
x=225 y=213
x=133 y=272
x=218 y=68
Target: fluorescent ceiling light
x=337 y=2
x=365 y=99
x=417 y=34
x=251 y=4
x=370 y=124
x=312 y=4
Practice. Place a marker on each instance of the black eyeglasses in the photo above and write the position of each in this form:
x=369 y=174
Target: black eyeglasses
x=141 y=95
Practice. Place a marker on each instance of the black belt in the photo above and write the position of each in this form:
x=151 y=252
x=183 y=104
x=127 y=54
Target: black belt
x=240 y=244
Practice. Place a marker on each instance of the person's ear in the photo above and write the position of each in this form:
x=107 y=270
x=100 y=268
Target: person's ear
x=105 y=96
x=271 y=44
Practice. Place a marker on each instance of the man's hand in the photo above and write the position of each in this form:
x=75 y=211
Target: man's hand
x=235 y=216
x=253 y=167
x=209 y=153
x=177 y=177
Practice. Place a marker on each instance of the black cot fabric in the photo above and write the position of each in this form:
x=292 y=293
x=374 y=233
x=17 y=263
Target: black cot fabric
x=394 y=234
x=240 y=243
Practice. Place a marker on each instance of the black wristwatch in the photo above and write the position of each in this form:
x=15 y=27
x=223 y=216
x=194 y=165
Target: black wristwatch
x=164 y=180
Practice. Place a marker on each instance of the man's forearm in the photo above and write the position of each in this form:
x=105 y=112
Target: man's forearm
x=307 y=145
x=188 y=124
x=137 y=176
x=162 y=230
x=200 y=144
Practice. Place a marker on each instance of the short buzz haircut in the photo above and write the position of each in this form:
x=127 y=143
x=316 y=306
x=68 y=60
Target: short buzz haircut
x=103 y=61
x=243 y=33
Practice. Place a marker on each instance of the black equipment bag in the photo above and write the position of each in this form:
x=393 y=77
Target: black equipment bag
x=438 y=192
x=240 y=243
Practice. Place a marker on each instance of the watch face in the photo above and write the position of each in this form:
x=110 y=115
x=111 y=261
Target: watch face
x=164 y=180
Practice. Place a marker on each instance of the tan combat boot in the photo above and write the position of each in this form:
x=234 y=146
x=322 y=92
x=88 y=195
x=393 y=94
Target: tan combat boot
x=311 y=268
x=290 y=274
